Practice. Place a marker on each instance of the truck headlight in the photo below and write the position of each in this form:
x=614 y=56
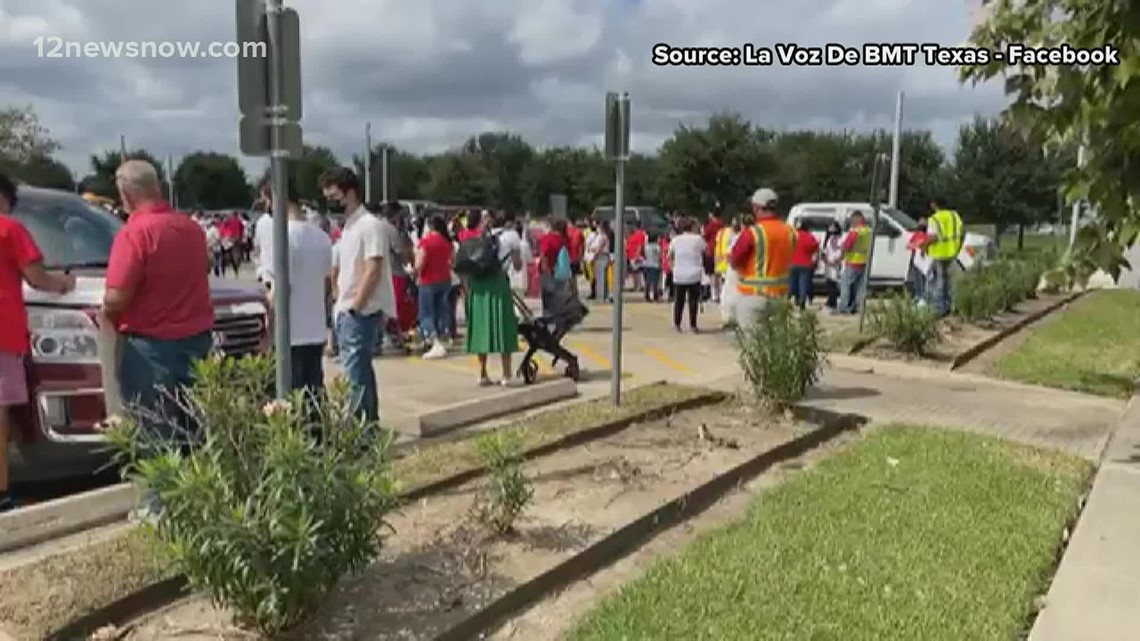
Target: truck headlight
x=63 y=335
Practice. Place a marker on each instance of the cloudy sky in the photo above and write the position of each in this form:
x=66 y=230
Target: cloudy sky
x=428 y=73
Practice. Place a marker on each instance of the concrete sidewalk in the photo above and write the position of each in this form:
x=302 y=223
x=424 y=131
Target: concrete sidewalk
x=1095 y=595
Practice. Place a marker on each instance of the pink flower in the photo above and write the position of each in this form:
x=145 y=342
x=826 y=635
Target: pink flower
x=276 y=407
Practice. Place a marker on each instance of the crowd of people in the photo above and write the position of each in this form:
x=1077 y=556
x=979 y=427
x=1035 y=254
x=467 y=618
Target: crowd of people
x=380 y=277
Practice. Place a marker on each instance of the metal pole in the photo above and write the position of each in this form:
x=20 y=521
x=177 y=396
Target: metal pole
x=384 y=172
x=368 y=162
x=1076 y=204
x=617 y=252
x=170 y=181
x=281 y=286
x=866 y=284
x=896 y=147
x=122 y=148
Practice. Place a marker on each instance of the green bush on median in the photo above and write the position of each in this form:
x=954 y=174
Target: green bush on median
x=273 y=501
x=909 y=327
x=781 y=353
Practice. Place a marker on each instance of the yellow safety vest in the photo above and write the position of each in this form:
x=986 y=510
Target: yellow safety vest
x=722 y=248
x=857 y=255
x=951 y=233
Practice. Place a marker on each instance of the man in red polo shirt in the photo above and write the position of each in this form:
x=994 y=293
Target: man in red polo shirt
x=635 y=254
x=20 y=262
x=710 y=231
x=158 y=297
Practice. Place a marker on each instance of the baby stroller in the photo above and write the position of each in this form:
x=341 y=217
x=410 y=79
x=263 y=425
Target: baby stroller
x=546 y=332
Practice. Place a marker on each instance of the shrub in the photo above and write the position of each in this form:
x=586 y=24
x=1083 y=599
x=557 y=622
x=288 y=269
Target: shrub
x=974 y=297
x=781 y=353
x=910 y=328
x=261 y=516
x=507 y=491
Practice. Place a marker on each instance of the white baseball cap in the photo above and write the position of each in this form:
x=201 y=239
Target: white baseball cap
x=764 y=197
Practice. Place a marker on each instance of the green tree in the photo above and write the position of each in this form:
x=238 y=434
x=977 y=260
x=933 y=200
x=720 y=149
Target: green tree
x=41 y=171
x=504 y=156
x=1003 y=178
x=719 y=163
x=457 y=178
x=1097 y=105
x=22 y=137
x=407 y=173
x=922 y=172
x=305 y=172
x=209 y=180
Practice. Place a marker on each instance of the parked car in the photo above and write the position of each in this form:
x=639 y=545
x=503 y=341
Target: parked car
x=892 y=258
x=652 y=220
x=71 y=358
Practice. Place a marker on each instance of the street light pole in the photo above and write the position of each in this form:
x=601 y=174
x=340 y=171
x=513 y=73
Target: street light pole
x=368 y=162
x=1076 y=204
x=896 y=148
x=875 y=203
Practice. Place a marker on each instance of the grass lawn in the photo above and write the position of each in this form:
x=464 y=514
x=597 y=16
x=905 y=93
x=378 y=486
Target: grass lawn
x=1092 y=347
x=912 y=533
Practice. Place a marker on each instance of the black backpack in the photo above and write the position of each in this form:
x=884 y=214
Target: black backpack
x=478 y=256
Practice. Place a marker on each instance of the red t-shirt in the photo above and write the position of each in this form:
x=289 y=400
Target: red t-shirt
x=548 y=247
x=712 y=228
x=805 y=249
x=231 y=228
x=467 y=234
x=635 y=244
x=17 y=251
x=159 y=258
x=577 y=244
x=437 y=259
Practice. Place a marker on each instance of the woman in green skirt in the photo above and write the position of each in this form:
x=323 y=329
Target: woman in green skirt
x=492 y=326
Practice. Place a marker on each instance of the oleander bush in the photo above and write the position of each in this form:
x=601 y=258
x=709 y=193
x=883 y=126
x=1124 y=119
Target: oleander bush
x=781 y=353
x=908 y=326
x=268 y=502
x=506 y=491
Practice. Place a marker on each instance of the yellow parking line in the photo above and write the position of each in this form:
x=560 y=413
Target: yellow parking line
x=668 y=361
x=591 y=354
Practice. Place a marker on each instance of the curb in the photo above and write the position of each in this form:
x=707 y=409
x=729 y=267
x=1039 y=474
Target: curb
x=465 y=413
x=157 y=595
x=624 y=540
x=898 y=369
x=975 y=350
x=75 y=513
x=63 y=516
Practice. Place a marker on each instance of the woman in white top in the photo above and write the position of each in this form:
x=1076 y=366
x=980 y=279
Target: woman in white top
x=598 y=255
x=686 y=256
x=492 y=326
x=832 y=262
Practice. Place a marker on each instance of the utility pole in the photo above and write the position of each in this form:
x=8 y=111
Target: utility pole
x=865 y=286
x=617 y=149
x=122 y=148
x=170 y=181
x=896 y=147
x=368 y=162
x=384 y=167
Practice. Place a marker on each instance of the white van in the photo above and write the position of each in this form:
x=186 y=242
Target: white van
x=892 y=258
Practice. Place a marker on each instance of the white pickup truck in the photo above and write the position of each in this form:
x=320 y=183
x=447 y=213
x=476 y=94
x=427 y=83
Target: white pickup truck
x=892 y=258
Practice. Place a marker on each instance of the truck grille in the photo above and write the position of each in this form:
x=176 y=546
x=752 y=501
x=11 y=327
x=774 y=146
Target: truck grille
x=238 y=335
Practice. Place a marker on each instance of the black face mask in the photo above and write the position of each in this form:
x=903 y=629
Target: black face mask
x=336 y=207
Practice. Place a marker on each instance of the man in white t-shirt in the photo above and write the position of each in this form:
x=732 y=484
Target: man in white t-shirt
x=310 y=264
x=364 y=288
x=263 y=245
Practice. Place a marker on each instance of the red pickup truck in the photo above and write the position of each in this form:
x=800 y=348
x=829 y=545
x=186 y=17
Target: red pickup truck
x=70 y=360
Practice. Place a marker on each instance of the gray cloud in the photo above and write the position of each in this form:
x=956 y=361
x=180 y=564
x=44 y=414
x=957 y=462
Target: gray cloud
x=428 y=73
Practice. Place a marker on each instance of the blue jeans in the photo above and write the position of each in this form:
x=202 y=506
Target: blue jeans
x=152 y=372
x=435 y=310
x=652 y=283
x=916 y=281
x=938 y=287
x=849 y=284
x=799 y=285
x=358 y=335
